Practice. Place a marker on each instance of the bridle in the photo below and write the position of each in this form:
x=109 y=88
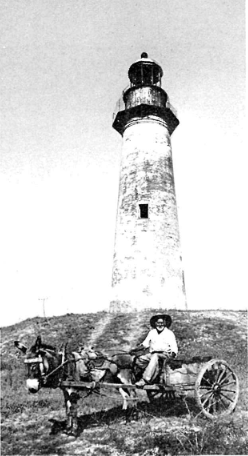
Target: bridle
x=43 y=377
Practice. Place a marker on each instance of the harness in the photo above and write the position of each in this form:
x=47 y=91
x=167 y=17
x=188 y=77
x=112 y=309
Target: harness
x=98 y=363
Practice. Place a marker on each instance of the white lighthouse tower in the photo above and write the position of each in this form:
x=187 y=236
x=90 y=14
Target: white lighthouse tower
x=147 y=266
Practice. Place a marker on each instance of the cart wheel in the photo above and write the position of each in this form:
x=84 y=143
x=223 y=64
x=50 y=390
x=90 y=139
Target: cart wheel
x=216 y=389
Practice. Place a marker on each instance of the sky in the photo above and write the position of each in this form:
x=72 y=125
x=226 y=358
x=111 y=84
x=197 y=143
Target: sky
x=64 y=65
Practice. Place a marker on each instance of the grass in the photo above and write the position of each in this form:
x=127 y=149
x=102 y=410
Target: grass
x=33 y=424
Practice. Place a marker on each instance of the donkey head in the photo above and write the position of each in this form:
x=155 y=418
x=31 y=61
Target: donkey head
x=41 y=360
x=88 y=352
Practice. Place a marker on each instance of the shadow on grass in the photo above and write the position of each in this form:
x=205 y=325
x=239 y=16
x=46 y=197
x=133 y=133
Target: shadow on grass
x=116 y=415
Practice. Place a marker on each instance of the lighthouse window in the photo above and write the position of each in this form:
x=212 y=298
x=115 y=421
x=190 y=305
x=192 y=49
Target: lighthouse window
x=143 y=210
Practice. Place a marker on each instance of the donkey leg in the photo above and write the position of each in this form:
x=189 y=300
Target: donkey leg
x=71 y=407
x=67 y=410
x=133 y=413
x=124 y=405
x=132 y=410
x=125 y=376
x=73 y=411
x=134 y=404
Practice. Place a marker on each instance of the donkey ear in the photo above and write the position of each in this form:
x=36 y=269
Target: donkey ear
x=44 y=352
x=20 y=346
x=38 y=342
x=62 y=349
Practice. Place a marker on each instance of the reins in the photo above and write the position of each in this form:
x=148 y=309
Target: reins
x=45 y=377
x=60 y=366
x=90 y=362
x=111 y=361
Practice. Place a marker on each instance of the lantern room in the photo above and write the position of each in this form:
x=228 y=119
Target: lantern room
x=145 y=72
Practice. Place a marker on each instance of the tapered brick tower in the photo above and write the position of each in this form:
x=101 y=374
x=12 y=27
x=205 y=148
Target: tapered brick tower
x=147 y=267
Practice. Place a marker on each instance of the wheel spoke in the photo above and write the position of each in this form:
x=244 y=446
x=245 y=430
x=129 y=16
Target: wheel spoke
x=204 y=394
x=206 y=400
x=219 y=404
x=215 y=372
x=225 y=379
x=227 y=397
x=221 y=375
x=231 y=383
x=213 y=405
x=229 y=391
x=208 y=407
x=206 y=380
x=223 y=402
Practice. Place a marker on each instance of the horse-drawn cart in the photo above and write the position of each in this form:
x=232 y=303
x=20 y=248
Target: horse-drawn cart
x=213 y=382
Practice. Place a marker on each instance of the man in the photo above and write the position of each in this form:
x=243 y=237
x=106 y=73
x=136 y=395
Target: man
x=161 y=343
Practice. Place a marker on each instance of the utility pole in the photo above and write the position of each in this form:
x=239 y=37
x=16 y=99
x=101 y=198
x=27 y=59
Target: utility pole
x=43 y=305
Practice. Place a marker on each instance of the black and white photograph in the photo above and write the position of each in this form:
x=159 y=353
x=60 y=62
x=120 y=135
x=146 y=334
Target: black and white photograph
x=123 y=183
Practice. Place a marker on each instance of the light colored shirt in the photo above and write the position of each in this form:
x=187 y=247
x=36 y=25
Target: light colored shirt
x=163 y=341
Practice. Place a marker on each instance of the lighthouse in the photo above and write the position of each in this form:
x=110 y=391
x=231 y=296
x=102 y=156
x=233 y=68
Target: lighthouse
x=147 y=263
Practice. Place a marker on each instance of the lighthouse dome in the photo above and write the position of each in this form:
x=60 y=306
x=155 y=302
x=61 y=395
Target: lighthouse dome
x=145 y=71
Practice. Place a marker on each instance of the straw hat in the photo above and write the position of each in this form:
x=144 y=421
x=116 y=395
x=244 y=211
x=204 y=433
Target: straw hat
x=166 y=318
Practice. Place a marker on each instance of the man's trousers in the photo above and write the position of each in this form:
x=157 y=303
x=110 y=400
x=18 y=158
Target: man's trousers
x=150 y=362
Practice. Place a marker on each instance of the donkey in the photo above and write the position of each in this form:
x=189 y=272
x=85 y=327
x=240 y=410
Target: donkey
x=49 y=368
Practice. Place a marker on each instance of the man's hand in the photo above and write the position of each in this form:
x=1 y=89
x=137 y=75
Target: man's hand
x=138 y=349
x=168 y=354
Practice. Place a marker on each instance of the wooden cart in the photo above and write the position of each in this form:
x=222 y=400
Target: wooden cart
x=214 y=383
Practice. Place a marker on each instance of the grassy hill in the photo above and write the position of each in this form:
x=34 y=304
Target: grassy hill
x=171 y=428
